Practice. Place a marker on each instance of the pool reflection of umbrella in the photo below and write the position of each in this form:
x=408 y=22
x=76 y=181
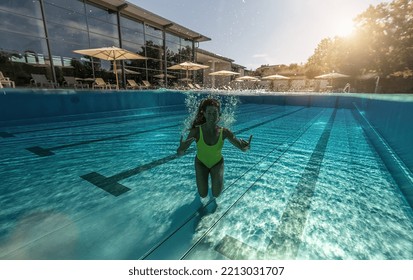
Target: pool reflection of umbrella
x=111 y=53
x=188 y=66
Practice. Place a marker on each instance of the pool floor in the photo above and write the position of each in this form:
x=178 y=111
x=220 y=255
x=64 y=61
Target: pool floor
x=311 y=187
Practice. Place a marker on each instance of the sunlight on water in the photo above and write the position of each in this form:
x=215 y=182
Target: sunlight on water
x=228 y=103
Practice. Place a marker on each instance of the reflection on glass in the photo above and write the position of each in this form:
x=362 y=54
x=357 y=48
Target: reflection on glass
x=22 y=7
x=75 y=25
x=21 y=24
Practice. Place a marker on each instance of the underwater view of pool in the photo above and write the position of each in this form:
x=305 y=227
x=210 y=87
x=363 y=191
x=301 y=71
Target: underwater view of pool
x=109 y=185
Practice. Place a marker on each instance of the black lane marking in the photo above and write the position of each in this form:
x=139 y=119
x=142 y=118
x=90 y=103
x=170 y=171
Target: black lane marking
x=42 y=152
x=106 y=182
x=134 y=118
x=286 y=146
x=287 y=239
x=234 y=249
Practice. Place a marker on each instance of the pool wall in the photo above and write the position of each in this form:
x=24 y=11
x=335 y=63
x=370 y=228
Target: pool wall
x=30 y=106
x=389 y=119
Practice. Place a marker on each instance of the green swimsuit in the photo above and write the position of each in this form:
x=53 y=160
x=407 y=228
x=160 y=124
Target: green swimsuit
x=209 y=155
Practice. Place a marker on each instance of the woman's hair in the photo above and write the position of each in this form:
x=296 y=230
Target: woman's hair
x=199 y=118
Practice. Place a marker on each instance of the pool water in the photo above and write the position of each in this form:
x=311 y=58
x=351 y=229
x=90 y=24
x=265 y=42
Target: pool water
x=111 y=187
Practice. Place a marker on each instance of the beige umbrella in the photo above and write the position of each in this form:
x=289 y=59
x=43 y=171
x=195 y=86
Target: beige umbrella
x=161 y=76
x=331 y=76
x=188 y=66
x=246 y=78
x=127 y=71
x=224 y=73
x=275 y=77
x=111 y=53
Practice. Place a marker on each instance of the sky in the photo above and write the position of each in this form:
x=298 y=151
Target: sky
x=261 y=32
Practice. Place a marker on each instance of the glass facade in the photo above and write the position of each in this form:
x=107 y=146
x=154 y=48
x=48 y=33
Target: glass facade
x=40 y=36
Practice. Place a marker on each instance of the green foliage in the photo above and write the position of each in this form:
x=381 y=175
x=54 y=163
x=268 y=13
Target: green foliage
x=382 y=43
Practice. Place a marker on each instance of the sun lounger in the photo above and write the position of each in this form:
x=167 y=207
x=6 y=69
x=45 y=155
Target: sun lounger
x=5 y=81
x=132 y=84
x=101 y=84
x=70 y=81
x=42 y=81
x=146 y=84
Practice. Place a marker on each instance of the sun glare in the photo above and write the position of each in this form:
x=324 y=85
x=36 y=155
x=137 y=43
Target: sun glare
x=345 y=28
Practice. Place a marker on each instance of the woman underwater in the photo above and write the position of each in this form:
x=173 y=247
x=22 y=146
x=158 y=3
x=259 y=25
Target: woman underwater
x=209 y=138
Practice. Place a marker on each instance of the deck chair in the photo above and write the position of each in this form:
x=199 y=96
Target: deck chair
x=100 y=83
x=42 y=81
x=132 y=84
x=146 y=84
x=197 y=86
x=191 y=86
x=5 y=81
x=70 y=81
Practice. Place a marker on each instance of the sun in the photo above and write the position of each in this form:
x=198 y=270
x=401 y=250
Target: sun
x=344 y=28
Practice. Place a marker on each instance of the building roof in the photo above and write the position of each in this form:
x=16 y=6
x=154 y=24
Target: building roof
x=213 y=55
x=148 y=17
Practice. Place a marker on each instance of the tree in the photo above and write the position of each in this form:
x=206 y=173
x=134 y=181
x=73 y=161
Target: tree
x=382 y=43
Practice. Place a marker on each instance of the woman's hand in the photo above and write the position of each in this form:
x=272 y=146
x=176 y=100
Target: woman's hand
x=184 y=145
x=246 y=145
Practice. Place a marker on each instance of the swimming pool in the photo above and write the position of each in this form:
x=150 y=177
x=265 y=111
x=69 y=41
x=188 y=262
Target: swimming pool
x=324 y=179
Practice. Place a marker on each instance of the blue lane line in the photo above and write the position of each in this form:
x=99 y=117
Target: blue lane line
x=287 y=239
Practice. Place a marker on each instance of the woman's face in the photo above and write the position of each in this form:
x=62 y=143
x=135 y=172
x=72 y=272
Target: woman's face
x=211 y=114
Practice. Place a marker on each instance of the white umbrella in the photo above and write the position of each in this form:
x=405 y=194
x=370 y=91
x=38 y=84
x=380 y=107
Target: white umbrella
x=188 y=66
x=161 y=76
x=275 y=77
x=332 y=75
x=224 y=73
x=111 y=53
x=246 y=78
x=127 y=71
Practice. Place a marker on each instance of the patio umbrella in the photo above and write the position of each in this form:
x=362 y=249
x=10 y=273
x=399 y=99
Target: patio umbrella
x=127 y=72
x=331 y=76
x=246 y=78
x=111 y=53
x=224 y=73
x=275 y=77
x=161 y=76
x=188 y=66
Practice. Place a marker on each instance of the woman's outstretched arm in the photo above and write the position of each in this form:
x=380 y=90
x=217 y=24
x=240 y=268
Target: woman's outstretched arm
x=237 y=142
x=184 y=144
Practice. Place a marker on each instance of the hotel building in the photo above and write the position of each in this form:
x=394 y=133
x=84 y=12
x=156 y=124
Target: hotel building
x=39 y=36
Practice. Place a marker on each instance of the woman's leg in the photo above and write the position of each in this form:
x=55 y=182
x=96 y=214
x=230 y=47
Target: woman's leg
x=217 y=178
x=202 y=173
